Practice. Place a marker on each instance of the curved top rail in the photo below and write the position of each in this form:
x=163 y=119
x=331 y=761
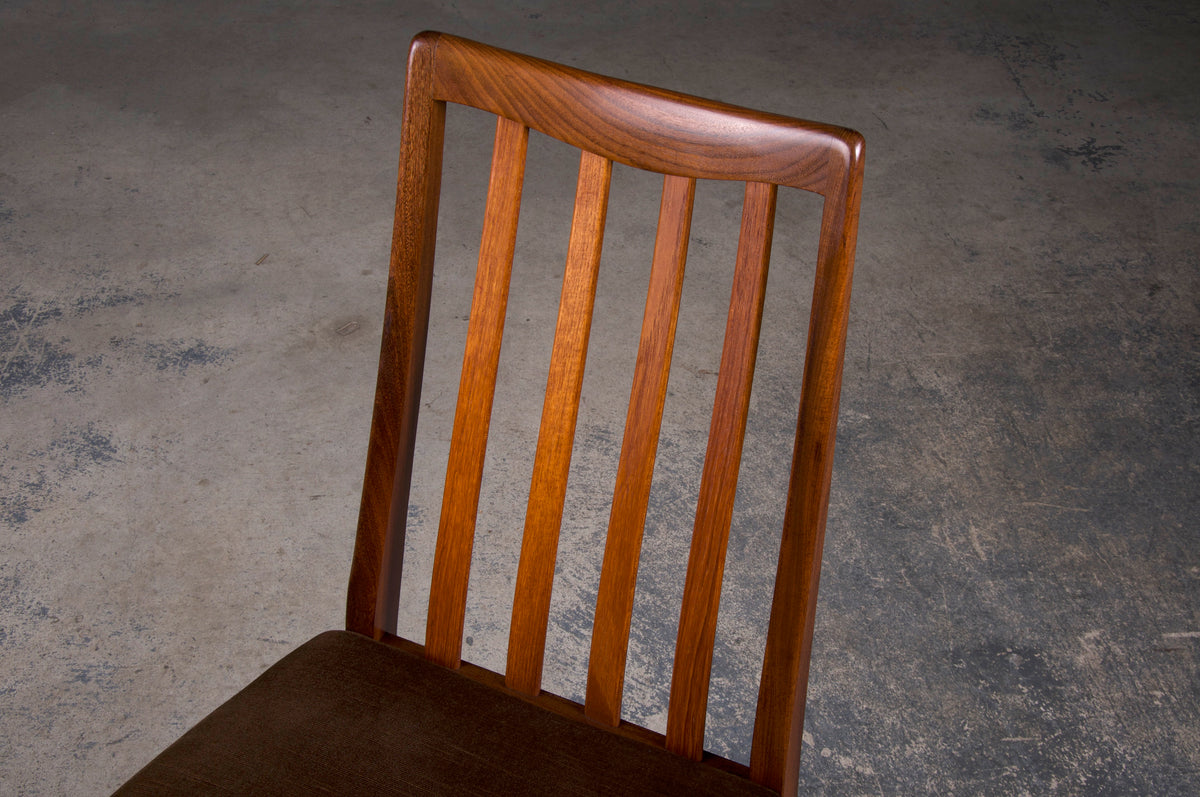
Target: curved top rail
x=642 y=126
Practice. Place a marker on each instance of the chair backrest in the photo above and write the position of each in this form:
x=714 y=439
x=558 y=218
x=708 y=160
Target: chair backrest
x=685 y=139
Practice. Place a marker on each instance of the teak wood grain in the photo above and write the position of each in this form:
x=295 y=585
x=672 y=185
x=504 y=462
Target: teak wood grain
x=686 y=139
x=718 y=480
x=556 y=437
x=374 y=590
x=779 y=718
x=635 y=468
x=472 y=417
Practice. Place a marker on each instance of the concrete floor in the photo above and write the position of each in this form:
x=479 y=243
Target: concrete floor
x=195 y=205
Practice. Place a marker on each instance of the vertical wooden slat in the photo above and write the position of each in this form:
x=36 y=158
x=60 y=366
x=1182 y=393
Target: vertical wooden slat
x=472 y=416
x=374 y=589
x=560 y=410
x=618 y=577
x=718 y=481
x=779 y=718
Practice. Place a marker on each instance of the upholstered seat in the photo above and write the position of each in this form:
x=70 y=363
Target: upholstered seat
x=346 y=715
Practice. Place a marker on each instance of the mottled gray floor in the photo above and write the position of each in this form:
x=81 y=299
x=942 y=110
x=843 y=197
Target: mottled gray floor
x=195 y=207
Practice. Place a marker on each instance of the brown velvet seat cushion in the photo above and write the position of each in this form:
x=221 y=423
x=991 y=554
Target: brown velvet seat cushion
x=346 y=715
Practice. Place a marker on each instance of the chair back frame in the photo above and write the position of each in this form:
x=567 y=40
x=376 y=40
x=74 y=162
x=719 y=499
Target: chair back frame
x=685 y=139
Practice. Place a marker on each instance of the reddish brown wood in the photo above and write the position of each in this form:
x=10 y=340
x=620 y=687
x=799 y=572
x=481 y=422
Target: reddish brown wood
x=374 y=588
x=642 y=126
x=552 y=462
x=678 y=135
x=779 y=719
x=618 y=576
x=718 y=481
x=472 y=417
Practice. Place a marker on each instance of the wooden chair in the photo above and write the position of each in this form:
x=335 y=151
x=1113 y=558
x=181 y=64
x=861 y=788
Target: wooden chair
x=363 y=711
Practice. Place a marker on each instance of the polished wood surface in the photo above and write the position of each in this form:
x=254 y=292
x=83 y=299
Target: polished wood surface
x=686 y=139
x=556 y=437
x=718 y=481
x=618 y=574
x=375 y=571
x=654 y=129
x=779 y=719
x=473 y=414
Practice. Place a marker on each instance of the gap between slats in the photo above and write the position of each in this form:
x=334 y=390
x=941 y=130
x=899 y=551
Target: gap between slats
x=718 y=482
x=614 y=605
